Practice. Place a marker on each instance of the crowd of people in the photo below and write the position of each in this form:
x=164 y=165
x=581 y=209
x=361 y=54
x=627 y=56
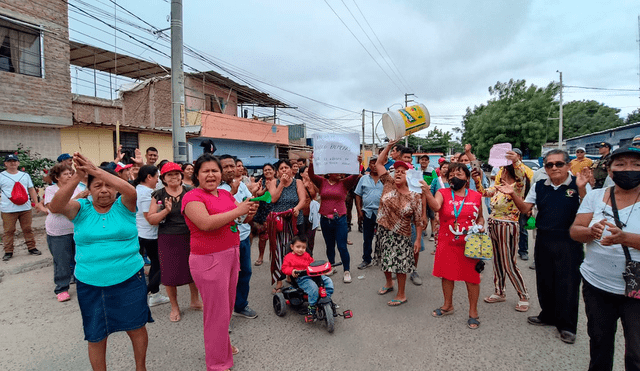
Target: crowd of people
x=194 y=223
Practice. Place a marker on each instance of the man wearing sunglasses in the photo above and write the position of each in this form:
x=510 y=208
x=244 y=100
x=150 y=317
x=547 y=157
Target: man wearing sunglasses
x=557 y=256
x=600 y=166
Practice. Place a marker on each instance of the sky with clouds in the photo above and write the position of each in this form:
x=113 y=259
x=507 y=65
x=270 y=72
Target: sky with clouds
x=446 y=53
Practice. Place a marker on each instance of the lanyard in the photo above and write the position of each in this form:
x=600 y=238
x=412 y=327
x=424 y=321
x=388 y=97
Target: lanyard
x=456 y=212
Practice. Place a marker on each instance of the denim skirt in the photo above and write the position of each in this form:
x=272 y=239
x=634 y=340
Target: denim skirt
x=121 y=307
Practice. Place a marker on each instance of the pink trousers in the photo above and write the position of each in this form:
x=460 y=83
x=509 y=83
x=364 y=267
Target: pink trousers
x=216 y=276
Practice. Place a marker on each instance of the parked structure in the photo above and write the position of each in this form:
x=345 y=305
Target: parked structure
x=617 y=137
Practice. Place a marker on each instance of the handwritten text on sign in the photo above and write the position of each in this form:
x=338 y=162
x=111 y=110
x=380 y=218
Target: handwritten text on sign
x=336 y=153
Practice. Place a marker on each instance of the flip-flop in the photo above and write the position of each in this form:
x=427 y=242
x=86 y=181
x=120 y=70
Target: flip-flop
x=234 y=350
x=196 y=308
x=396 y=302
x=522 y=306
x=439 y=312
x=494 y=299
x=471 y=322
x=258 y=263
x=385 y=290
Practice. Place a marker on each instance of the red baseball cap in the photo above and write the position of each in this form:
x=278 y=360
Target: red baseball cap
x=170 y=166
x=122 y=166
x=403 y=164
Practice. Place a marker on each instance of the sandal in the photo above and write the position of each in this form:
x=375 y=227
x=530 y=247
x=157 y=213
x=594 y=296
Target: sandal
x=473 y=323
x=522 y=306
x=494 y=298
x=396 y=302
x=385 y=290
x=258 y=263
x=234 y=350
x=442 y=312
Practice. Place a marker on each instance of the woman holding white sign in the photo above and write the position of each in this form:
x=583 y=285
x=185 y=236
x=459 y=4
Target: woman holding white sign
x=399 y=208
x=333 y=215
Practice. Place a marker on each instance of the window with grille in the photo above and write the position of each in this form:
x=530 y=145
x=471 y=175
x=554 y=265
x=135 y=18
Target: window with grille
x=20 y=50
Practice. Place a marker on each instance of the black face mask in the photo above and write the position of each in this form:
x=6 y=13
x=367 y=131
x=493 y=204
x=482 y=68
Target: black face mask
x=457 y=183
x=626 y=179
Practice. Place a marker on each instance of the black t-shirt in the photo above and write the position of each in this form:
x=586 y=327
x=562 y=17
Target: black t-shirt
x=174 y=222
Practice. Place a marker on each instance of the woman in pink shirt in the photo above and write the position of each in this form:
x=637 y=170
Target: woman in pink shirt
x=210 y=214
x=333 y=215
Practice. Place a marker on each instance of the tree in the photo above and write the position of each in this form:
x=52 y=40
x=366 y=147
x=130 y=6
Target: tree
x=516 y=113
x=588 y=116
x=436 y=141
x=633 y=117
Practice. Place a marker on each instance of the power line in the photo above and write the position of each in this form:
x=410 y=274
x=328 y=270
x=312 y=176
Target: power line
x=607 y=89
x=361 y=44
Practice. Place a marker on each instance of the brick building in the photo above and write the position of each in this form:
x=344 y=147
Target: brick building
x=35 y=88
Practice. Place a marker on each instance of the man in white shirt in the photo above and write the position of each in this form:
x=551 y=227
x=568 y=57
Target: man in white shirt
x=239 y=191
x=12 y=212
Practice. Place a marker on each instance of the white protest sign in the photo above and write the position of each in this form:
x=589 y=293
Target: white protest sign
x=336 y=153
x=413 y=180
x=498 y=153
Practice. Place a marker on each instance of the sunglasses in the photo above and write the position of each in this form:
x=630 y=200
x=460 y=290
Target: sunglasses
x=558 y=164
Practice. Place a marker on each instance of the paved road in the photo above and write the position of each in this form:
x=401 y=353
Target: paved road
x=38 y=333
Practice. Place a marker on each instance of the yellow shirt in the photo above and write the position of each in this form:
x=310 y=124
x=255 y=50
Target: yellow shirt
x=527 y=170
x=502 y=206
x=578 y=165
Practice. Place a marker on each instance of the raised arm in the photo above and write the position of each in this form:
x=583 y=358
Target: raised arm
x=315 y=179
x=126 y=190
x=62 y=202
x=382 y=158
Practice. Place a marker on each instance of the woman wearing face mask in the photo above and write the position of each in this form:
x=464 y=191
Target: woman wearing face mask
x=458 y=208
x=399 y=208
x=603 y=287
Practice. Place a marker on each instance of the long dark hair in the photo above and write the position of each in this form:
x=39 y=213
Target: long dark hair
x=144 y=172
x=512 y=172
x=206 y=157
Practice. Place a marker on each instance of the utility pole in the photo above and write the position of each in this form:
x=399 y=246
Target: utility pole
x=406 y=104
x=560 y=118
x=362 y=153
x=177 y=85
x=373 y=136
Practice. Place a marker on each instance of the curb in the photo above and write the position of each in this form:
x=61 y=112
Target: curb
x=27 y=267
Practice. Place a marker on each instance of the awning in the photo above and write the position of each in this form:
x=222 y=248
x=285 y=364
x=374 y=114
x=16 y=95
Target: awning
x=257 y=162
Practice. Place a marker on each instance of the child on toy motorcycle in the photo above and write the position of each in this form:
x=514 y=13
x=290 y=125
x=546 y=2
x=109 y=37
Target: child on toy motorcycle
x=298 y=260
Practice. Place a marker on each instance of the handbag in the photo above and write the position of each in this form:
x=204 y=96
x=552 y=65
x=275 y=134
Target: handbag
x=631 y=273
x=478 y=246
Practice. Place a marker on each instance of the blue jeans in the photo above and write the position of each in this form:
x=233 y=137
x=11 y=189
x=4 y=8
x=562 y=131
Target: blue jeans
x=306 y=283
x=413 y=238
x=242 y=289
x=368 y=231
x=335 y=232
x=63 y=250
x=523 y=243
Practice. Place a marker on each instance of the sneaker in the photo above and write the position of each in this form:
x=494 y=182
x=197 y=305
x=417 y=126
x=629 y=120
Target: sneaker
x=347 y=277
x=157 y=299
x=415 y=278
x=64 y=296
x=7 y=256
x=35 y=252
x=533 y=266
x=246 y=313
x=524 y=256
x=364 y=265
x=432 y=238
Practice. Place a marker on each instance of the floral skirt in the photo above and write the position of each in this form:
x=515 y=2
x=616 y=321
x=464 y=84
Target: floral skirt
x=394 y=252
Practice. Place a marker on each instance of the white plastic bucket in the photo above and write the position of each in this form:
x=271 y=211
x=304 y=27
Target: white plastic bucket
x=402 y=122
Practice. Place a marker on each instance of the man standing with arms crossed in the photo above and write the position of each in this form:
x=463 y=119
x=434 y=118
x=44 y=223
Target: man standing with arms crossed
x=12 y=212
x=600 y=166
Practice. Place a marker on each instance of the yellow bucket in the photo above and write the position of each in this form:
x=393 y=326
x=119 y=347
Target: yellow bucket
x=406 y=121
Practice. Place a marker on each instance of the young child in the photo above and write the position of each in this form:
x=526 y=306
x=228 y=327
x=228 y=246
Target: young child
x=298 y=260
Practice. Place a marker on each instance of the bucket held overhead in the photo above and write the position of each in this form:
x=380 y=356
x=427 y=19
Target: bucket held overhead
x=405 y=121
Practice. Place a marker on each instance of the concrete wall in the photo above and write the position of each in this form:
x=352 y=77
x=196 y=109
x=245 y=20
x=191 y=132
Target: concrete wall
x=35 y=100
x=45 y=141
x=216 y=125
x=90 y=109
x=195 y=92
x=162 y=142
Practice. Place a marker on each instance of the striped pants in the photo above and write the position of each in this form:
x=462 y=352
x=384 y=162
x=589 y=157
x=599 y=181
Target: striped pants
x=504 y=236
